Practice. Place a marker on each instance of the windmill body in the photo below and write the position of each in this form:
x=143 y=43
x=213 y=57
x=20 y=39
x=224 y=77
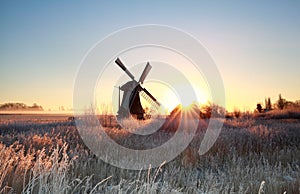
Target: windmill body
x=131 y=103
x=131 y=99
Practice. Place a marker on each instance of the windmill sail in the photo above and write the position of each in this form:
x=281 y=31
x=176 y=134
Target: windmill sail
x=119 y=62
x=145 y=73
x=151 y=97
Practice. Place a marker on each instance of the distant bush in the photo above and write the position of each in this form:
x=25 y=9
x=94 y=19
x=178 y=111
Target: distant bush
x=20 y=107
x=237 y=113
x=212 y=110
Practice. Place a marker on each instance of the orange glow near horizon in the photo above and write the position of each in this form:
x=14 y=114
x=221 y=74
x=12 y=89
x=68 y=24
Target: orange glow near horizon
x=164 y=95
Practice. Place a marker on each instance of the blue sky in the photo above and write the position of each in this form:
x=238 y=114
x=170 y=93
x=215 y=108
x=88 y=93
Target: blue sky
x=255 y=44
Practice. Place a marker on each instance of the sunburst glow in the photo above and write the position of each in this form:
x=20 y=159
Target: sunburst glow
x=166 y=96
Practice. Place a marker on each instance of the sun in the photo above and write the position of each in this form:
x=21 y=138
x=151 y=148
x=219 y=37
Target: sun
x=166 y=96
x=170 y=100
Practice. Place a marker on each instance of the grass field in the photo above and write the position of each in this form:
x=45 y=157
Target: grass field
x=45 y=154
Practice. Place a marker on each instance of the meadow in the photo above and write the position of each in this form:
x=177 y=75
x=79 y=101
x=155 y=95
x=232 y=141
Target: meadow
x=253 y=154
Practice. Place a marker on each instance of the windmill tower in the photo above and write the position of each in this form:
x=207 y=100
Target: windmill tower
x=131 y=103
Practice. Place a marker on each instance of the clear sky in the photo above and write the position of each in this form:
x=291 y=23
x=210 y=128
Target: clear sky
x=255 y=44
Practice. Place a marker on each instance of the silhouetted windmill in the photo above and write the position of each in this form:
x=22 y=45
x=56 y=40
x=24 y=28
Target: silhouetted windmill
x=131 y=104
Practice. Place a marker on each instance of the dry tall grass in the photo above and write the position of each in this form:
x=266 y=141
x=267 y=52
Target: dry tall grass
x=250 y=156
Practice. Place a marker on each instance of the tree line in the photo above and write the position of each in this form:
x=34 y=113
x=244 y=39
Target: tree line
x=280 y=104
x=20 y=106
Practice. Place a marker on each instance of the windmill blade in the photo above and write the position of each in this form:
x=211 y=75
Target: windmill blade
x=119 y=62
x=151 y=97
x=145 y=73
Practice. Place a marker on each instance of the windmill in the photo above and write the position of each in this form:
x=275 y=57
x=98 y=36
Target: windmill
x=131 y=103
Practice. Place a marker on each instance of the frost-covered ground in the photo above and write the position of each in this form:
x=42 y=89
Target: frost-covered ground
x=251 y=155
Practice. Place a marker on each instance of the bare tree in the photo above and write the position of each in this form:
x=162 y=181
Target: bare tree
x=268 y=103
x=281 y=102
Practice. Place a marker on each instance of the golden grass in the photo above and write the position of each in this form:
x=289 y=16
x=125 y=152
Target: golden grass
x=250 y=156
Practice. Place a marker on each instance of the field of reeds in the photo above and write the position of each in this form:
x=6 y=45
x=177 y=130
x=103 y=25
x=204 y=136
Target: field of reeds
x=253 y=154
